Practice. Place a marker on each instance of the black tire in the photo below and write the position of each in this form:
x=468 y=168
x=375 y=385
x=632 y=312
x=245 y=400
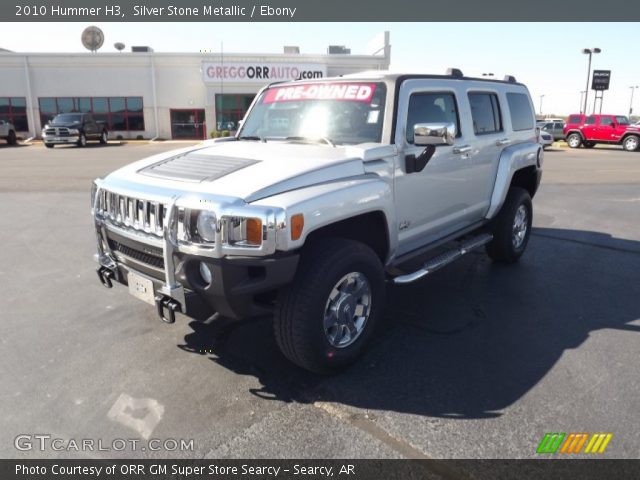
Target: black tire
x=504 y=248
x=299 y=323
x=11 y=139
x=631 y=143
x=49 y=145
x=589 y=144
x=574 y=140
x=82 y=141
x=103 y=137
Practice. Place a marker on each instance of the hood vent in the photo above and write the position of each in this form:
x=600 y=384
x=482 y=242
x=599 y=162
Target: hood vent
x=194 y=167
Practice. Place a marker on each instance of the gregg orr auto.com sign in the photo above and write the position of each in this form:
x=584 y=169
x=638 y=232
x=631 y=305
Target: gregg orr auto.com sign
x=260 y=72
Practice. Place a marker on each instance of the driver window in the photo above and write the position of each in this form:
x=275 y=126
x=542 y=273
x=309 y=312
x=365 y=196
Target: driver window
x=431 y=108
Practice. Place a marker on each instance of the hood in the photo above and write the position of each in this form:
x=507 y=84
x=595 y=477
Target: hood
x=250 y=170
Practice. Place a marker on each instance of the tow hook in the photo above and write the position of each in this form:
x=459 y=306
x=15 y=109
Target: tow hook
x=168 y=305
x=105 y=275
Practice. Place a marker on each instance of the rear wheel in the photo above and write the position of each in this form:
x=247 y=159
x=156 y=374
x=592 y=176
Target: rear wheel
x=11 y=139
x=574 y=140
x=325 y=318
x=631 y=143
x=512 y=227
x=103 y=137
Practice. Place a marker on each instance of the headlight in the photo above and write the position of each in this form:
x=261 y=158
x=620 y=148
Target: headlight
x=73 y=131
x=94 y=190
x=206 y=225
x=243 y=231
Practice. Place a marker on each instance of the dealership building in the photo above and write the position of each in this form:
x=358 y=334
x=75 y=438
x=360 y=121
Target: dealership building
x=146 y=94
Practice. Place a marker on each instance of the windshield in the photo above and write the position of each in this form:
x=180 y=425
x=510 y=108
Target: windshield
x=622 y=120
x=336 y=113
x=67 y=118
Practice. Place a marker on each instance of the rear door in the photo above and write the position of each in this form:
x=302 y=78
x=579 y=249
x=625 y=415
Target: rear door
x=589 y=129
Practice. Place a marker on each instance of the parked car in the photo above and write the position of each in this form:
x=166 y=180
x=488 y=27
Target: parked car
x=330 y=189
x=73 y=128
x=608 y=129
x=555 y=129
x=8 y=132
x=545 y=139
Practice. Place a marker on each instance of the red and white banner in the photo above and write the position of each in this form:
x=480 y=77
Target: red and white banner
x=356 y=92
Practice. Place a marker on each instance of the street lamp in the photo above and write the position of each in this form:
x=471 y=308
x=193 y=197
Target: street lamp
x=633 y=89
x=541 y=97
x=588 y=51
x=582 y=92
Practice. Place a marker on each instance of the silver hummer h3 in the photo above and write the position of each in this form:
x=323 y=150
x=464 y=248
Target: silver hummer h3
x=329 y=189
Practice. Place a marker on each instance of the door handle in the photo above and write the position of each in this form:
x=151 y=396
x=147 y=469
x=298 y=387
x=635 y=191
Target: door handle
x=503 y=142
x=462 y=149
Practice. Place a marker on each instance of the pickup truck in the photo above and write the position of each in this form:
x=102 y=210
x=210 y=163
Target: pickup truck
x=330 y=189
x=587 y=131
x=73 y=128
x=8 y=132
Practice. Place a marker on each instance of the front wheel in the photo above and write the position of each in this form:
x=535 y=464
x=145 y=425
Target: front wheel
x=82 y=141
x=589 y=144
x=325 y=318
x=49 y=145
x=12 y=139
x=512 y=227
x=631 y=143
x=574 y=140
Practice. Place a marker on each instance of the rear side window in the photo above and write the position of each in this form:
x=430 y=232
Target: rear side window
x=574 y=119
x=591 y=120
x=431 y=108
x=485 y=112
x=606 y=121
x=521 y=113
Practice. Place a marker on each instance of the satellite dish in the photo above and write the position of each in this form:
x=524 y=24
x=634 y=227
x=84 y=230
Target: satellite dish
x=119 y=46
x=92 y=38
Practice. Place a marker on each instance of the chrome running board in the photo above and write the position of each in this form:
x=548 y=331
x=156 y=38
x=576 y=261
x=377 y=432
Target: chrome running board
x=445 y=258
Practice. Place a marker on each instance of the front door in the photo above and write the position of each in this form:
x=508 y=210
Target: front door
x=188 y=124
x=443 y=197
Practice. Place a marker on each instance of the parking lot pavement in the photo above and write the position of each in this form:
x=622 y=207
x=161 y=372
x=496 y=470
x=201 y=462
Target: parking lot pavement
x=476 y=361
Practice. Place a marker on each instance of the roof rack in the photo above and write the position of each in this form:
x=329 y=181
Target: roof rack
x=509 y=78
x=455 y=72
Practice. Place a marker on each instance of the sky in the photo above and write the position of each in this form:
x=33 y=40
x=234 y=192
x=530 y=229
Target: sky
x=545 y=56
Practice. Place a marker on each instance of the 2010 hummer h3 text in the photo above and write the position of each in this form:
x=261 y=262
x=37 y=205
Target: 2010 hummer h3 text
x=330 y=188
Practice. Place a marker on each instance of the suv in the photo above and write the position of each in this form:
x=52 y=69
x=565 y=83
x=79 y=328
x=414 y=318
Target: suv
x=75 y=128
x=8 y=132
x=329 y=189
x=593 y=129
x=553 y=128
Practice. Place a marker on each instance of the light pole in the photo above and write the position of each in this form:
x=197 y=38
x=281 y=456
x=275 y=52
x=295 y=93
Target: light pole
x=588 y=51
x=541 y=97
x=582 y=92
x=633 y=89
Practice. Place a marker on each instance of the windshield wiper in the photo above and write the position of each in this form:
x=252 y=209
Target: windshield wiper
x=315 y=140
x=252 y=137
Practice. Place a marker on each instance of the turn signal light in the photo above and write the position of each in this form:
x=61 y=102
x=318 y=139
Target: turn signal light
x=297 y=225
x=254 y=231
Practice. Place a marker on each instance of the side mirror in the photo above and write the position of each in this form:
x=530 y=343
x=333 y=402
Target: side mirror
x=434 y=134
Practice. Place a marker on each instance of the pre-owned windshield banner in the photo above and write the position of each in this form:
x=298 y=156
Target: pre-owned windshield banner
x=357 y=92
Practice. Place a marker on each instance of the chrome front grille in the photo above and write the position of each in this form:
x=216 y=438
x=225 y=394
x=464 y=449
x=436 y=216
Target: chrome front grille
x=132 y=213
x=60 y=132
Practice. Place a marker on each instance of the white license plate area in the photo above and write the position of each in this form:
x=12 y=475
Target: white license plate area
x=59 y=139
x=141 y=288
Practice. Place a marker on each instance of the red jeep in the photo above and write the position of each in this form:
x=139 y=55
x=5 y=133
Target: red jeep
x=612 y=129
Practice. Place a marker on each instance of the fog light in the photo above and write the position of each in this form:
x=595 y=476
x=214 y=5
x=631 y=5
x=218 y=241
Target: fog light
x=206 y=274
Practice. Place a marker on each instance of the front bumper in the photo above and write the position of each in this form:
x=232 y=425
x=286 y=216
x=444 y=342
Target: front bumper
x=60 y=140
x=244 y=279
